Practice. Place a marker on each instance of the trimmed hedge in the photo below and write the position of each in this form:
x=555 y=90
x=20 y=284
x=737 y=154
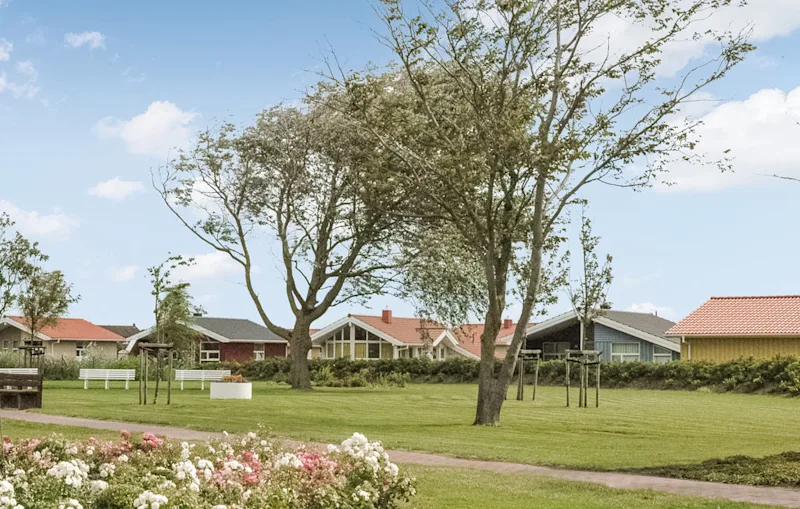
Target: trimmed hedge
x=780 y=375
x=776 y=376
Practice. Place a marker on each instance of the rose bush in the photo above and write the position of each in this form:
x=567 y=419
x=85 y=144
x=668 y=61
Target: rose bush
x=229 y=473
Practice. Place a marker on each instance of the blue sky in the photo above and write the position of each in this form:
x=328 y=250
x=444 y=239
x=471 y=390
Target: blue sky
x=94 y=93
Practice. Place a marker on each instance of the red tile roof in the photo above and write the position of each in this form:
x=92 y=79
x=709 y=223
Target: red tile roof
x=469 y=336
x=743 y=316
x=410 y=331
x=75 y=328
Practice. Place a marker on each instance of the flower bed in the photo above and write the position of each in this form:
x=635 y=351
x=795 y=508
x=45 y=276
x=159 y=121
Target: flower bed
x=234 y=473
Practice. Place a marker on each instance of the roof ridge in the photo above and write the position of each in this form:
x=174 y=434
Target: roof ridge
x=733 y=297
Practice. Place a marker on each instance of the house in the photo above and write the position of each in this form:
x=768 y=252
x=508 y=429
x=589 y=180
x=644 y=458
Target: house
x=469 y=338
x=69 y=338
x=227 y=339
x=620 y=336
x=125 y=331
x=389 y=337
x=728 y=328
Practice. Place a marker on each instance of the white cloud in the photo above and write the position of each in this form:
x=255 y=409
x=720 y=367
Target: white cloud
x=121 y=274
x=93 y=39
x=57 y=225
x=27 y=84
x=208 y=266
x=116 y=189
x=5 y=50
x=649 y=307
x=157 y=131
x=761 y=134
x=132 y=76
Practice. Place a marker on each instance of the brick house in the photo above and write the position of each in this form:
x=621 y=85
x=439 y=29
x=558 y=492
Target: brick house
x=227 y=340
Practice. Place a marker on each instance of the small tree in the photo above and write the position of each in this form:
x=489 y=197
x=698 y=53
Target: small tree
x=45 y=297
x=305 y=177
x=588 y=293
x=172 y=310
x=19 y=258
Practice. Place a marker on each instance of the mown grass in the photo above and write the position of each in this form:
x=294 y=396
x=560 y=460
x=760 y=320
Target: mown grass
x=444 y=488
x=456 y=488
x=632 y=428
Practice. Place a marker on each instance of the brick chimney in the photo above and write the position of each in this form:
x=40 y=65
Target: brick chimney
x=386 y=316
x=507 y=323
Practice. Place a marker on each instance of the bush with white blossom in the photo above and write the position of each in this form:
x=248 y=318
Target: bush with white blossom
x=235 y=472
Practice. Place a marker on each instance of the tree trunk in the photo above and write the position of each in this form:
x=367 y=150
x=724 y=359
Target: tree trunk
x=491 y=390
x=300 y=375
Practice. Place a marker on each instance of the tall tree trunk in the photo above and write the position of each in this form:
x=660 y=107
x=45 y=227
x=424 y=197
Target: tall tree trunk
x=491 y=392
x=300 y=375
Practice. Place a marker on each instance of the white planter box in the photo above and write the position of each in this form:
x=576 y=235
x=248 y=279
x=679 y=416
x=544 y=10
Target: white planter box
x=221 y=390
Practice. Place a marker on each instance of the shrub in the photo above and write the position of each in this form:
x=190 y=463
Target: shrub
x=234 y=379
x=780 y=375
x=245 y=472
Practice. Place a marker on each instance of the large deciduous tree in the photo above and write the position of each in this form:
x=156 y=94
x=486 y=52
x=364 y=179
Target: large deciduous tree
x=501 y=111
x=301 y=177
x=19 y=258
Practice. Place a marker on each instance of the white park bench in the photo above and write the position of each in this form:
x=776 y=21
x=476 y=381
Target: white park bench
x=20 y=371
x=107 y=374
x=212 y=375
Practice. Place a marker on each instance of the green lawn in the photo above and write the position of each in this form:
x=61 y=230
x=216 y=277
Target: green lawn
x=632 y=428
x=445 y=488
x=22 y=429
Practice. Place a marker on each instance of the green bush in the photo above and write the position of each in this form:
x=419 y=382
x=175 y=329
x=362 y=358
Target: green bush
x=776 y=376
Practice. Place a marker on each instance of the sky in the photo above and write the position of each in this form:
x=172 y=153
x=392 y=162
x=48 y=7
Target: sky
x=96 y=94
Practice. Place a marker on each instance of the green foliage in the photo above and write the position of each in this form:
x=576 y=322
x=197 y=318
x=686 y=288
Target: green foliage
x=45 y=297
x=775 y=470
x=19 y=258
x=776 y=376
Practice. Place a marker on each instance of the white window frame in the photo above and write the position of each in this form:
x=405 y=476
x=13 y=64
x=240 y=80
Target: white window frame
x=547 y=356
x=662 y=358
x=626 y=357
x=259 y=351
x=80 y=350
x=210 y=355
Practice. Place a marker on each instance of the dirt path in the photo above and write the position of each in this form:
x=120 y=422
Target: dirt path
x=737 y=493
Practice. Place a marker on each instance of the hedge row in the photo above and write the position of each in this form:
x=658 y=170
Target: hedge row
x=777 y=376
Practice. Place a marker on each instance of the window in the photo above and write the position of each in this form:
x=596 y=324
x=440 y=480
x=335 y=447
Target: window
x=80 y=351
x=258 y=352
x=624 y=352
x=554 y=350
x=661 y=355
x=209 y=352
x=374 y=350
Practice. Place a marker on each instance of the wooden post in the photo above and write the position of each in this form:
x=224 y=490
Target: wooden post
x=141 y=374
x=146 y=355
x=581 y=366
x=521 y=380
x=566 y=383
x=535 y=378
x=597 y=387
x=169 y=378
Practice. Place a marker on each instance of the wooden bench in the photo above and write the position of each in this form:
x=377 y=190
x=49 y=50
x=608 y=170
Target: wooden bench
x=107 y=374
x=212 y=375
x=20 y=371
x=20 y=391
